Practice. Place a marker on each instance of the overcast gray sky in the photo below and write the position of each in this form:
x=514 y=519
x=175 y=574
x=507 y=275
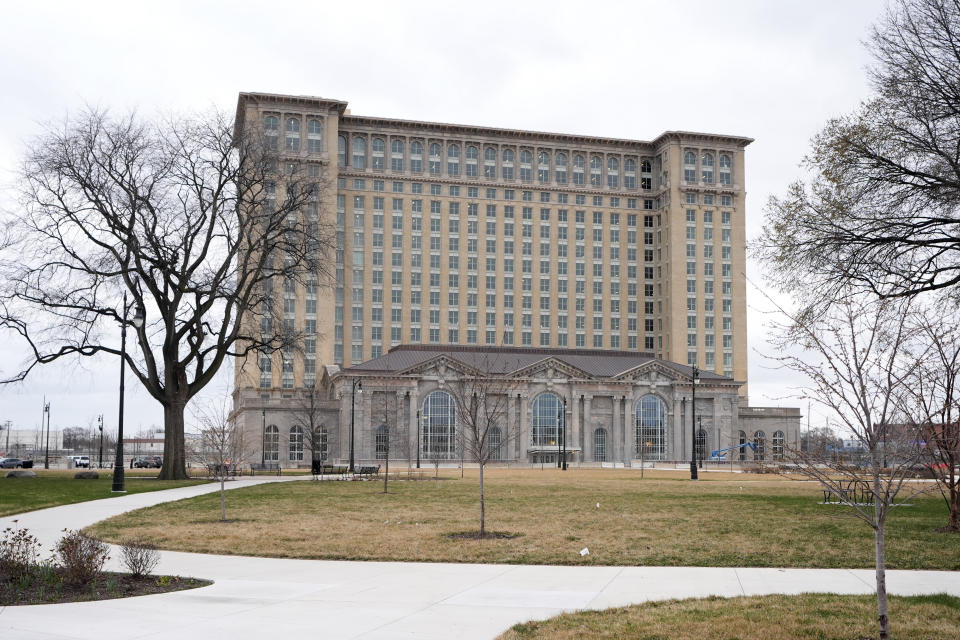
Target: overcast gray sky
x=774 y=71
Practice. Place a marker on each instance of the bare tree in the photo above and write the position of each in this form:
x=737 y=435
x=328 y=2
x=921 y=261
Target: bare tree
x=199 y=225
x=935 y=389
x=386 y=414
x=307 y=412
x=482 y=400
x=881 y=208
x=857 y=360
x=221 y=446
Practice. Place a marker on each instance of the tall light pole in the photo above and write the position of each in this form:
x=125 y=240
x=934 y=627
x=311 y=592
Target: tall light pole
x=695 y=379
x=263 y=440
x=119 y=481
x=357 y=388
x=46 y=455
x=418 y=438
x=100 y=426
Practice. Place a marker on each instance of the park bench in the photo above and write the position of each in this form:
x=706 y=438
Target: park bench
x=224 y=470
x=264 y=466
x=328 y=469
x=369 y=471
x=855 y=491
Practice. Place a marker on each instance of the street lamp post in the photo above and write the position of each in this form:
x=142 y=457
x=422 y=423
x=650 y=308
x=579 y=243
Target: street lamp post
x=119 y=481
x=693 y=424
x=46 y=455
x=357 y=388
x=263 y=440
x=100 y=426
x=418 y=438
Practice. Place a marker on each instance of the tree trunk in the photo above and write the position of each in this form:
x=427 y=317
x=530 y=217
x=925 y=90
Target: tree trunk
x=174 y=462
x=954 y=506
x=483 y=513
x=882 y=612
x=223 y=494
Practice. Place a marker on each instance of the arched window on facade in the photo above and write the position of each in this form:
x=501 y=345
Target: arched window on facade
x=382 y=442
x=760 y=445
x=578 y=166
x=725 y=169
x=778 y=442
x=396 y=155
x=296 y=444
x=271 y=132
x=359 y=153
x=315 y=135
x=438 y=432
x=507 y=166
x=546 y=416
x=706 y=166
x=596 y=167
x=526 y=166
x=342 y=151
x=378 y=150
x=416 y=157
x=490 y=163
x=600 y=445
x=293 y=134
x=702 y=445
x=472 y=155
x=690 y=167
x=433 y=164
x=613 y=173
x=271 y=444
x=561 y=168
x=494 y=443
x=651 y=428
x=630 y=173
x=453 y=160
x=742 y=442
x=543 y=167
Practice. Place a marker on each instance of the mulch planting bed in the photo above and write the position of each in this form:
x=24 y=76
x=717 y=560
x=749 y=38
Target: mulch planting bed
x=52 y=590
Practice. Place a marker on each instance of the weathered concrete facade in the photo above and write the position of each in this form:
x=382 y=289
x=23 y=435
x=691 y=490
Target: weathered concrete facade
x=614 y=407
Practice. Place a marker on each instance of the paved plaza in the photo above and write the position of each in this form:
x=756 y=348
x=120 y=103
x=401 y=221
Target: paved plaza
x=267 y=597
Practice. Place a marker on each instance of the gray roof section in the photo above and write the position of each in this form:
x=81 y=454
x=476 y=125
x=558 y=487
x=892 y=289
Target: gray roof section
x=501 y=360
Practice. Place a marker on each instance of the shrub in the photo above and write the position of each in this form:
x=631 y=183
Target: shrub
x=19 y=552
x=140 y=557
x=81 y=558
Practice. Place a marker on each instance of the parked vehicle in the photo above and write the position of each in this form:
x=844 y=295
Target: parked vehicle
x=148 y=462
x=12 y=463
x=81 y=461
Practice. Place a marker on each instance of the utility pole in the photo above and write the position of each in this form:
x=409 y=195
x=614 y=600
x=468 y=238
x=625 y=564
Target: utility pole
x=46 y=455
x=100 y=426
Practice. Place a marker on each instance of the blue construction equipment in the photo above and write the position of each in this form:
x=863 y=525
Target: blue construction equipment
x=718 y=455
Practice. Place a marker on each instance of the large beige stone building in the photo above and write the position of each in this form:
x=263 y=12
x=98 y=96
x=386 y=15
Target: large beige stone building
x=474 y=236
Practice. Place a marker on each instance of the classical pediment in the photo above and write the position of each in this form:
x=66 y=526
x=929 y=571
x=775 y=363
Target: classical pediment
x=441 y=366
x=652 y=372
x=551 y=368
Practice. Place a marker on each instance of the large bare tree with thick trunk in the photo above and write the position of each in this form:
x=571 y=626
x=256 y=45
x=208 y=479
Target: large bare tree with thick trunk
x=881 y=208
x=200 y=228
x=859 y=357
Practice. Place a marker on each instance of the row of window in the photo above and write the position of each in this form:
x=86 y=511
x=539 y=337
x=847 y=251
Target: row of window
x=447 y=160
x=706 y=164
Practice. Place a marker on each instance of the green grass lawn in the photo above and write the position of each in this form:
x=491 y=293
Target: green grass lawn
x=723 y=520
x=52 y=488
x=804 y=617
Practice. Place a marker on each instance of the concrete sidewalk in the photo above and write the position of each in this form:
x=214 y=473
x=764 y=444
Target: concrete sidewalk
x=265 y=597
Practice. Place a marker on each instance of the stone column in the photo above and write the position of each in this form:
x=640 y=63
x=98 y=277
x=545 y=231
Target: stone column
x=414 y=426
x=625 y=435
x=524 y=439
x=588 y=429
x=679 y=439
x=616 y=434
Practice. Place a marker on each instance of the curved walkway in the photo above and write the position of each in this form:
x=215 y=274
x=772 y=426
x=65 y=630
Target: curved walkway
x=269 y=598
